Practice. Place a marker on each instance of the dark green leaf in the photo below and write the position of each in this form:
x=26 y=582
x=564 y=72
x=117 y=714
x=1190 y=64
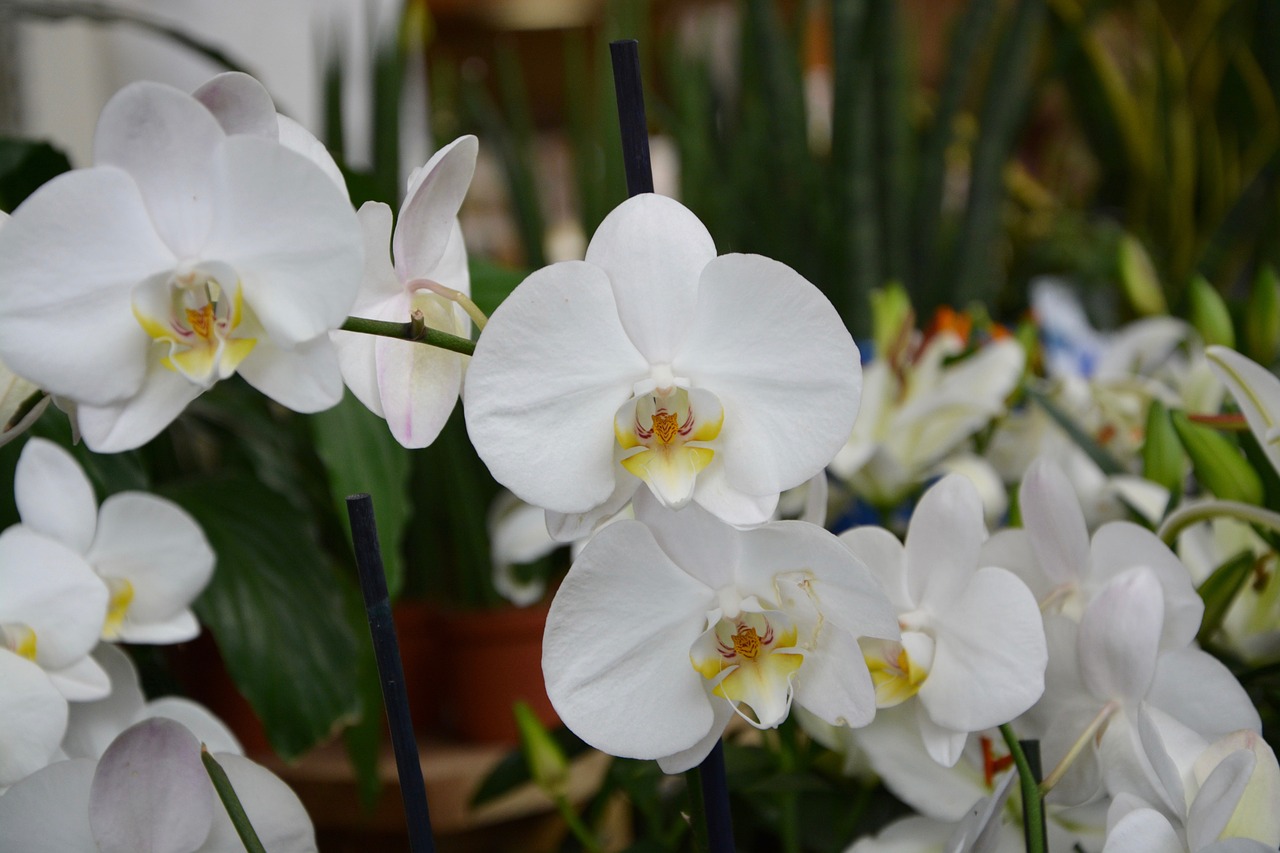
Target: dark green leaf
x=275 y=607
x=1219 y=590
x=24 y=166
x=490 y=283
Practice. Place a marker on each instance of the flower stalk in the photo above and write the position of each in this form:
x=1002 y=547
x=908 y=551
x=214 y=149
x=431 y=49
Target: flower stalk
x=1032 y=797
x=235 y=810
x=414 y=330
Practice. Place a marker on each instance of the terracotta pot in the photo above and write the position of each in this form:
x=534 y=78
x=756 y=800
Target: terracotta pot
x=494 y=658
x=419 y=631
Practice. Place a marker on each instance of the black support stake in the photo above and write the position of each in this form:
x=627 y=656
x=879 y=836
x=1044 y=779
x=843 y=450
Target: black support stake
x=625 y=54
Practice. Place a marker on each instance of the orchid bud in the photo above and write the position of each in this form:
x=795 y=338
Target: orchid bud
x=1218 y=463
x=1138 y=278
x=891 y=318
x=1262 y=317
x=1209 y=314
x=1162 y=456
x=547 y=762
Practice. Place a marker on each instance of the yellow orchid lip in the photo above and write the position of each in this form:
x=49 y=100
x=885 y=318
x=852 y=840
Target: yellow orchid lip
x=751 y=659
x=668 y=432
x=199 y=329
x=19 y=639
x=896 y=676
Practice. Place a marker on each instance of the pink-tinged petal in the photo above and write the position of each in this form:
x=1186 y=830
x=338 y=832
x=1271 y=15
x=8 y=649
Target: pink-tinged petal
x=92 y=726
x=1143 y=831
x=549 y=373
x=1213 y=806
x=48 y=812
x=35 y=717
x=946 y=533
x=616 y=650
x=430 y=209
x=73 y=253
x=693 y=539
x=207 y=728
x=944 y=745
x=290 y=234
x=297 y=138
x=1120 y=637
x=240 y=104
x=418 y=386
x=158 y=549
x=717 y=495
x=687 y=759
x=653 y=250
x=132 y=422
x=151 y=791
x=882 y=553
x=82 y=681
x=1121 y=545
x=989 y=655
x=769 y=345
x=54 y=496
x=306 y=378
x=165 y=139
x=1256 y=391
x=276 y=813
x=1196 y=689
x=51 y=590
x=1054 y=522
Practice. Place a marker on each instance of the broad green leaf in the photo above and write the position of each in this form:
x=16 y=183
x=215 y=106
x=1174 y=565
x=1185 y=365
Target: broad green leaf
x=275 y=607
x=362 y=457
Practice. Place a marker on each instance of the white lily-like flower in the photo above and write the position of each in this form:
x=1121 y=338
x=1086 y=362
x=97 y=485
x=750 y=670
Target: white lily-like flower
x=683 y=620
x=149 y=791
x=915 y=414
x=186 y=254
x=414 y=387
x=149 y=552
x=720 y=381
x=972 y=651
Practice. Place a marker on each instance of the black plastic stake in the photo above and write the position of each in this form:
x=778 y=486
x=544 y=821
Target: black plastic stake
x=715 y=797
x=386 y=650
x=625 y=55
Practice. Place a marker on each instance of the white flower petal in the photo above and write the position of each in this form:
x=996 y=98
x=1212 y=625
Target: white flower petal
x=165 y=139
x=944 y=745
x=306 y=378
x=946 y=533
x=653 y=250
x=1196 y=689
x=92 y=726
x=297 y=138
x=176 y=629
x=290 y=235
x=714 y=493
x=276 y=813
x=82 y=681
x=419 y=387
x=687 y=759
x=1212 y=808
x=1054 y=522
x=240 y=104
x=1120 y=545
x=616 y=650
x=54 y=496
x=430 y=209
x=882 y=553
x=151 y=791
x=48 y=812
x=834 y=683
x=1143 y=831
x=771 y=347
x=693 y=539
x=130 y=423
x=35 y=717
x=65 y=319
x=199 y=720
x=1120 y=635
x=549 y=373
x=1255 y=389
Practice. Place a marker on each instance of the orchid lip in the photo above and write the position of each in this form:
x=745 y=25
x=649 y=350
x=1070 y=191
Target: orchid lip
x=668 y=439
x=751 y=660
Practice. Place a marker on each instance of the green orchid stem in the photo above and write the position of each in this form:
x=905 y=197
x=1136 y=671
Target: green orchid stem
x=1186 y=516
x=1032 y=799
x=235 y=810
x=579 y=829
x=415 y=330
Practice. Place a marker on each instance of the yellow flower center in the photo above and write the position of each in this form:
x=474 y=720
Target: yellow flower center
x=199 y=322
x=665 y=433
x=751 y=660
x=746 y=643
x=19 y=639
x=117 y=606
x=896 y=676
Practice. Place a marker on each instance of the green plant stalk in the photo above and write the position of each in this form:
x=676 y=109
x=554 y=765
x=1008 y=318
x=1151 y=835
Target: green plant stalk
x=697 y=809
x=1186 y=516
x=1032 y=799
x=579 y=829
x=235 y=810
x=410 y=331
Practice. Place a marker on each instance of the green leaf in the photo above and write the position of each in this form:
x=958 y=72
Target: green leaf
x=1219 y=590
x=26 y=165
x=1218 y=463
x=275 y=607
x=362 y=457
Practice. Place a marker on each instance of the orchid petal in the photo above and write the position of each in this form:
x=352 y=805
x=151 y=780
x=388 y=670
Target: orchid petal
x=427 y=216
x=687 y=759
x=1217 y=799
x=305 y=379
x=1200 y=692
x=130 y=423
x=775 y=352
x=92 y=726
x=946 y=533
x=715 y=493
x=532 y=394
x=1120 y=636
x=297 y=138
x=66 y=320
x=653 y=250
x=616 y=648
x=696 y=541
x=944 y=745
x=882 y=553
x=165 y=139
x=240 y=104
x=1144 y=830
x=54 y=496
x=1256 y=391
x=48 y=811
x=1119 y=545
x=1054 y=522
x=834 y=683
x=293 y=239
x=35 y=717
x=418 y=386
x=82 y=681
x=274 y=810
x=199 y=720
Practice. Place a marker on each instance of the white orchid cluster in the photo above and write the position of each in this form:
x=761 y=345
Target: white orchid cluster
x=655 y=400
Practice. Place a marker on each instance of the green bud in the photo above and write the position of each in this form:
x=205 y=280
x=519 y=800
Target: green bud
x=891 y=318
x=1209 y=314
x=1163 y=459
x=547 y=762
x=1218 y=463
x=1262 y=318
x=1138 y=278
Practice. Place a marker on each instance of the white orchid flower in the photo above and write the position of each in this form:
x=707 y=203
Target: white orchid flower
x=719 y=381
x=682 y=620
x=972 y=651
x=35 y=715
x=414 y=387
x=1256 y=391
x=149 y=791
x=914 y=415
x=149 y=552
x=184 y=255
x=1065 y=568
